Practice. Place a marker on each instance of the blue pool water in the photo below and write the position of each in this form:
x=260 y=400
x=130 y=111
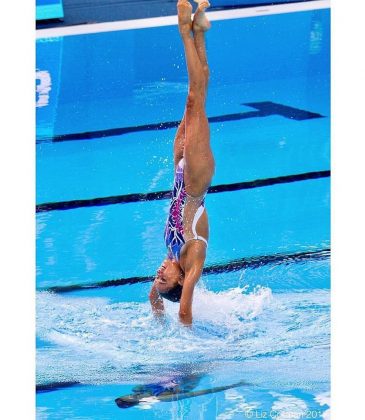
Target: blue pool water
x=262 y=312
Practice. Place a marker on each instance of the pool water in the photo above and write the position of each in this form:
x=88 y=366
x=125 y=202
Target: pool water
x=107 y=107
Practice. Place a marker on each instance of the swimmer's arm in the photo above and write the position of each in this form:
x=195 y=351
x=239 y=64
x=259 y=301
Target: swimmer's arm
x=193 y=269
x=156 y=302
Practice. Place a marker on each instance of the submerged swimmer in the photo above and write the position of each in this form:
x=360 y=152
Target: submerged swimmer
x=186 y=233
x=176 y=390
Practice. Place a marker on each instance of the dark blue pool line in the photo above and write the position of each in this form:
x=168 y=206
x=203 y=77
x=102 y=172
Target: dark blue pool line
x=263 y=109
x=54 y=386
x=235 y=265
x=164 y=195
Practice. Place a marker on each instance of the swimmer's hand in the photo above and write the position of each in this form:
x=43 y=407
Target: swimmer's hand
x=186 y=319
x=156 y=302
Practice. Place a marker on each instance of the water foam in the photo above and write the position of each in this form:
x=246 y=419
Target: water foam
x=94 y=341
x=324 y=399
x=288 y=407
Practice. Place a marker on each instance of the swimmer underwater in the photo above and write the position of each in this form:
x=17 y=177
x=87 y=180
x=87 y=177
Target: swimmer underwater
x=187 y=230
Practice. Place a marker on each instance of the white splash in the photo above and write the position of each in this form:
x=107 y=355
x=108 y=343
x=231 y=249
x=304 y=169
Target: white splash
x=324 y=399
x=92 y=340
x=239 y=406
x=155 y=180
x=288 y=407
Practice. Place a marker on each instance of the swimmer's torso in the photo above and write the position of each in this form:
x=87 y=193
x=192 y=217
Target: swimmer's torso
x=187 y=218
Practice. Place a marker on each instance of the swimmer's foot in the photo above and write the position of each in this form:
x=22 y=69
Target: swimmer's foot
x=200 y=21
x=184 y=10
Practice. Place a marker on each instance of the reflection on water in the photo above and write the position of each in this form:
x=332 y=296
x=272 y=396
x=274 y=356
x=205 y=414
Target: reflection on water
x=171 y=387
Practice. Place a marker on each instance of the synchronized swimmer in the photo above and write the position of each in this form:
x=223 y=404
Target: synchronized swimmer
x=187 y=230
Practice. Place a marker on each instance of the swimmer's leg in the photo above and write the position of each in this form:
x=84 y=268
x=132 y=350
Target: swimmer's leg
x=201 y=24
x=185 y=25
x=197 y=152
x=179 y=142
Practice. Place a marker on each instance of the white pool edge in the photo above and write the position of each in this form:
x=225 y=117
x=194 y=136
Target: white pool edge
x=172 y=20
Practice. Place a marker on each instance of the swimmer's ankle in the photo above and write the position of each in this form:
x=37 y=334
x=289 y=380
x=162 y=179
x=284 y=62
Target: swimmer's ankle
x=185 y=29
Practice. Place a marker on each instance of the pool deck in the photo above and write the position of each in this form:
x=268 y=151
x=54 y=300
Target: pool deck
x=83 y=12
x=78 y=12
x=153 y=17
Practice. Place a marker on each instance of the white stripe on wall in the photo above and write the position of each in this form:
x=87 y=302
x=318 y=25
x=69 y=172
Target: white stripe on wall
x=172 y=20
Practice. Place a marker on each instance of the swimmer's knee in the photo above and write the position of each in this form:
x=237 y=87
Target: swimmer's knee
x=195 y=99
x=206 y=73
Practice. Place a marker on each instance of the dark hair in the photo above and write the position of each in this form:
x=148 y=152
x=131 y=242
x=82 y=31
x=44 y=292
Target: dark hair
x=174 y=294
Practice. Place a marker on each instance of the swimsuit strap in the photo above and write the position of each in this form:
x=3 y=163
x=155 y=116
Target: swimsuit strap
x=196 y=238
x=198 y=213
x=197 y=198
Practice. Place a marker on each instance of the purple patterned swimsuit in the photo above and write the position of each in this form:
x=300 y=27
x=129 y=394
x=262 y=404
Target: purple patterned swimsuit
x=175 y=238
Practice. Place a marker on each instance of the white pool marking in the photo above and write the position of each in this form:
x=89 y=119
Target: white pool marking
x=172 y=20
x=43 y=88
